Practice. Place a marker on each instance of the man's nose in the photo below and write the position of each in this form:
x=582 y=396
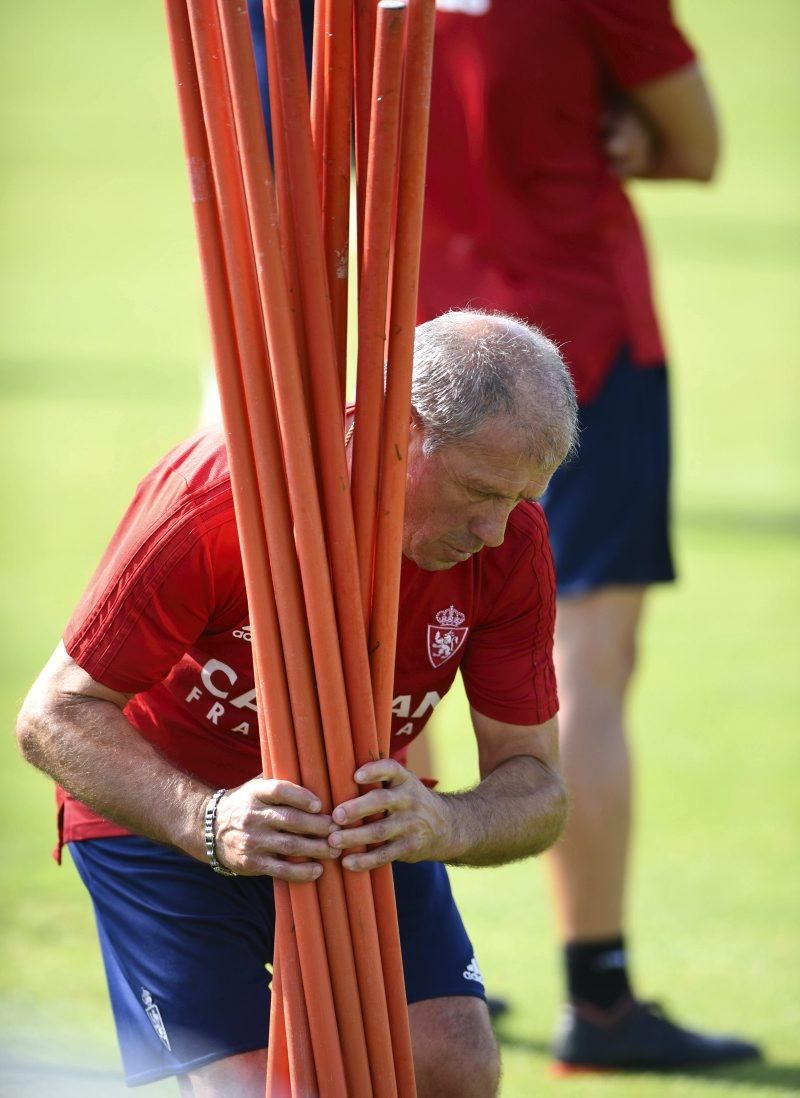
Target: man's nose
x=490 y=527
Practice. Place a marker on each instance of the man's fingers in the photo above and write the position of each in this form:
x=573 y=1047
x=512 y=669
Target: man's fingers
x=377 y=800
x=370 y=804
x=292 y=871
x=274 y=864
x=277 y=791
x=283 y=818
x=379 y=831
x=381 y=855
x=295 y=846
x=382 y=770
x=285 y=822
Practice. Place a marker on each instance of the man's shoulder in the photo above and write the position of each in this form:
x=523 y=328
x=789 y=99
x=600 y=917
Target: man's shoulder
x=191 y=481
x=526 y=548
x=201 y=460
x=527 y=526
x=184 y=498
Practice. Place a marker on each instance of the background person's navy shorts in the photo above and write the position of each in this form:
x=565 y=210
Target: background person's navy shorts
x=608 y=508
x=185 y=950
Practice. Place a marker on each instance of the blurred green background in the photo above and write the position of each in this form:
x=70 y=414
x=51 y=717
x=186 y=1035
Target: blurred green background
x=102 y=336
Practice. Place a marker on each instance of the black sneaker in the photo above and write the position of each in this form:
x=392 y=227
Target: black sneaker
x=637 y=1037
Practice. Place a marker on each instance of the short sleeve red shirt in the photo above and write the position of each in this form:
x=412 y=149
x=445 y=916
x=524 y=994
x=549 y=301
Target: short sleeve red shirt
x=165 y=619
x=523 y=213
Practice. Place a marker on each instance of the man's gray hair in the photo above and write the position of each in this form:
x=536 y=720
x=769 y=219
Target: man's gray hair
x=471 y=366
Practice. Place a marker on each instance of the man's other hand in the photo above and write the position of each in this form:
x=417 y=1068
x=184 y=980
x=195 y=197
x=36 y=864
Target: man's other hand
x=413 y=827
x=264 y=822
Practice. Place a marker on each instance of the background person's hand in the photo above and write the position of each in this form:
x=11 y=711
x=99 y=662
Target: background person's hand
x=415 y=826
x=629 y=142
x=264 y=821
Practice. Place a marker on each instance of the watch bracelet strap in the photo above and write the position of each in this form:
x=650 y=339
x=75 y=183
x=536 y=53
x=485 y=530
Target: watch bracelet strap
x=209 y=834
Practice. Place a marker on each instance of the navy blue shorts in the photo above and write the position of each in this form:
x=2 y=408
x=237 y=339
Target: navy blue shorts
x=608 y=508
x=185 y=950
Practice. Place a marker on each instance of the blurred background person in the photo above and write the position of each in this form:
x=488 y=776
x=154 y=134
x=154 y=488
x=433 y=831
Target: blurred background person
x=541 y=110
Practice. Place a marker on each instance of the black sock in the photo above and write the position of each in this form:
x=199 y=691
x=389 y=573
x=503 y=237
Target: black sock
x=597 y=972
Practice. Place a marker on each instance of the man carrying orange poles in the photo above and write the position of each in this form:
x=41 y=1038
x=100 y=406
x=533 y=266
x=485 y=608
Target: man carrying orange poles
x=148 y=706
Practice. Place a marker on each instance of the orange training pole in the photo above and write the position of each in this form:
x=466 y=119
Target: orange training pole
x=397 y=408
x=302 y=1074
x=278 y=1081
x=374 y=288
x=336 y=169
x=283 y=192
x=318 y=83
x=383 y=624
x=364 y=12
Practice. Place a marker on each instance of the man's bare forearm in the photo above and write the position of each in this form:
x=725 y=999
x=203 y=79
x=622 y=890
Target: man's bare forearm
x=515 y=812
x=88 y=746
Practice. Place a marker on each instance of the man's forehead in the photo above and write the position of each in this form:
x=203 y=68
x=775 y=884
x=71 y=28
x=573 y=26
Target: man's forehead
x=498 y=445
x=522 y=483
x=504 y=469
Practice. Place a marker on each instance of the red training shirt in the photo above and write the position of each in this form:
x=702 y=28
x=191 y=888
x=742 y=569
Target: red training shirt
x=523 y=213
x=165 y=618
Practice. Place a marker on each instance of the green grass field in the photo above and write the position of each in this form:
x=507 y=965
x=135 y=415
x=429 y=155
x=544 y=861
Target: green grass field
x=101 y=337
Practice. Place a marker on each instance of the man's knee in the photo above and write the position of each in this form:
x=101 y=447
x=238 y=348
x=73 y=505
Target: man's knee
x=240 y=1076
x=455 y=1052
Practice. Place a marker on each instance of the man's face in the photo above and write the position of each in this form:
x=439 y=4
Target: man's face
x=459 y=498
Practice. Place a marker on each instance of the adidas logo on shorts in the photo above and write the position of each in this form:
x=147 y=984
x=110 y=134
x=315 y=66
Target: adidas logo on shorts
x=472 y=972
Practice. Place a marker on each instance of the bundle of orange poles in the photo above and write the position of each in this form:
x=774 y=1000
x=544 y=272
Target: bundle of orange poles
x=321 y=563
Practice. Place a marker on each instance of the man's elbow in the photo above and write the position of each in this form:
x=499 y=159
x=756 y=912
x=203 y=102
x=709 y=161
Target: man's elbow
x=31 y=733
x=556 y=819
x=560 y=811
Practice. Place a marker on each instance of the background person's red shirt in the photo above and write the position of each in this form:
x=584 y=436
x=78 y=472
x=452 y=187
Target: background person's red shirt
x=523 y=213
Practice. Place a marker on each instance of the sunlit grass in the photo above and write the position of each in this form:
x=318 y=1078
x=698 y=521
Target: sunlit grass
x=102 y=334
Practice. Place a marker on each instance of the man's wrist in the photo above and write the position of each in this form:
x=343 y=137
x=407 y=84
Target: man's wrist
x=193 y=799
x=455 y=838
x=210 y=834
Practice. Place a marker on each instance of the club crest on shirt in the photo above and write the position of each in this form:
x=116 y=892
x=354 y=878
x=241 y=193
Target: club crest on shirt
x=447 y=636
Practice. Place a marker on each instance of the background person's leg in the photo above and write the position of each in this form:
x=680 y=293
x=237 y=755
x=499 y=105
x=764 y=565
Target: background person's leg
x=604 y=1025
x=595 y=658
x=608 y=511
